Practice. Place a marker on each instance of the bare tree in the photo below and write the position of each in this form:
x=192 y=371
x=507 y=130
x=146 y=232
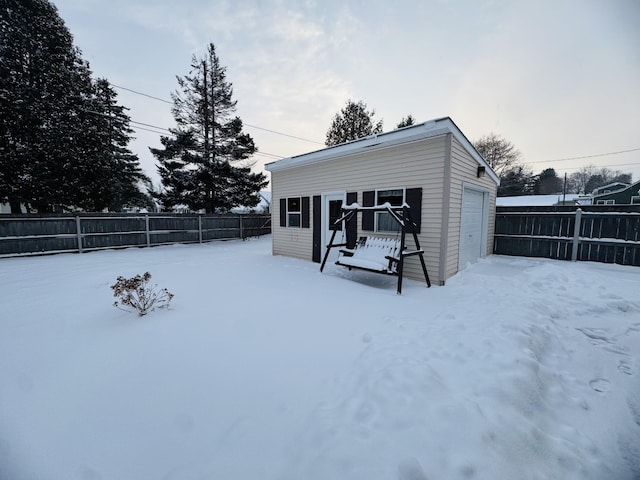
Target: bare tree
x=590 y=177
x=500 y=154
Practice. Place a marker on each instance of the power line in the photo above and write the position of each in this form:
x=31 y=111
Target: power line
x=152 y=126
x=143 y=94
x=588 y=156
x=283 y=134
x=606 y=166
x=247 y=124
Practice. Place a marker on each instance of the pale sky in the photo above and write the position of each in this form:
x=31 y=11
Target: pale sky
x=559 y=79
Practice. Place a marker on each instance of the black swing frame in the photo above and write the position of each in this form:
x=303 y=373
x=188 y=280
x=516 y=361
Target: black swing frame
x=402 y=217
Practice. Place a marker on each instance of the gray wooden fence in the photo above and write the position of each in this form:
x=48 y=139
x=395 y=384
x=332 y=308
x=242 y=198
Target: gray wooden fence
x=596 y=234
x=41 y=234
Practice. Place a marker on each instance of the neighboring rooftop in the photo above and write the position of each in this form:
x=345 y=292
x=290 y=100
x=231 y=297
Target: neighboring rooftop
x=535 y=200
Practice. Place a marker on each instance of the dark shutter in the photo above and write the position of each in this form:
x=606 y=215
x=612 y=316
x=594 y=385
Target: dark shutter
x=352 y=226
x=283 y=212
x=368 y=200
x=317 y=228
x=305 y=212
x=414 y=200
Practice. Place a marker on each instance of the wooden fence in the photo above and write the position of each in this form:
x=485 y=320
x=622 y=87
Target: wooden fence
x=41 y=234
x=596 y=234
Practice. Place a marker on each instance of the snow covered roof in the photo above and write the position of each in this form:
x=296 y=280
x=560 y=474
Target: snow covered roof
x=534 y=200
x=412 y=133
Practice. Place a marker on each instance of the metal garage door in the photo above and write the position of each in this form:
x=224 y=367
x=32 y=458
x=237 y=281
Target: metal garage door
x=472 y=227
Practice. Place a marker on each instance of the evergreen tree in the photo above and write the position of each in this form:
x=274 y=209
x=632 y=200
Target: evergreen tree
x=52 y=142
x=351 y=123
x=547 y=183
x=38 y=80
x=201 y=164
x=406 y=122
x=110 y=177
x=518 y=180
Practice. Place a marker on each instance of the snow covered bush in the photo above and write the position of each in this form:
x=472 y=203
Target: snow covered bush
x=136 y=294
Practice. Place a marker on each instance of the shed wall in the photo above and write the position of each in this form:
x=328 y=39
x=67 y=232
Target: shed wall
x=464 y=172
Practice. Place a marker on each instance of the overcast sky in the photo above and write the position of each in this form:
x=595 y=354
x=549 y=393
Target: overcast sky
x=559 y=79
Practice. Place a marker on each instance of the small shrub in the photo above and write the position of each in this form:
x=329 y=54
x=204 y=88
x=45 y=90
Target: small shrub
x=136 y=294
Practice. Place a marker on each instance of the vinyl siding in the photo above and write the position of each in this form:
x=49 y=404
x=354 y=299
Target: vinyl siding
x=464 y=171
x=413 y=165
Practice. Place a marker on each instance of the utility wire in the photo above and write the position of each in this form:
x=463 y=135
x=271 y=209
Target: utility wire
x=320 y=143
x=143 y=94
x=588 y=156
x=247 y=124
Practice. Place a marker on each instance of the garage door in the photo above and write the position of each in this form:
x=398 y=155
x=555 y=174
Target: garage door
x=472 y=227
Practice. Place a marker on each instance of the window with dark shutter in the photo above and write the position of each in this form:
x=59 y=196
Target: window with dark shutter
x=384 y=221
x=294 y=212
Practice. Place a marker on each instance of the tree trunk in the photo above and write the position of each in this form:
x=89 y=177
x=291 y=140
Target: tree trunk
x=15 y=206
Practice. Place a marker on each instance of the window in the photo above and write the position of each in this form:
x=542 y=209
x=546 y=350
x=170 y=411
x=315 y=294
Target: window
x=635 y=199
x=384 y=221
x=294 y=212
x=609 y=202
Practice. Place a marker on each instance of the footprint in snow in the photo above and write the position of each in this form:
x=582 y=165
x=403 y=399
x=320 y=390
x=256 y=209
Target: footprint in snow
x=600 y=385
x=625 y=367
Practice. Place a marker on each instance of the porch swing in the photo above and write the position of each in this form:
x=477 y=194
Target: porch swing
x=374 y=254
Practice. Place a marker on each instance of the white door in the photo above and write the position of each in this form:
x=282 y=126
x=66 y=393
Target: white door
x=331 y=211
x=472 y=227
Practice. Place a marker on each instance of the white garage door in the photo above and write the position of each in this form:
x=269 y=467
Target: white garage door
x=472 y=227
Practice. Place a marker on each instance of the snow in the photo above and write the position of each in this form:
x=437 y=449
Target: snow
x=534 y=200
x=265 y=368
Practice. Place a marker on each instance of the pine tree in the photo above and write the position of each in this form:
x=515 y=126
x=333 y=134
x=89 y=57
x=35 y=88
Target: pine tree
x=547 y=183
x=406 y=122
x=38 y=79
x=351 y=123
x=203 y=163
x=57 y=148
x=110 y=177
x=518 y=180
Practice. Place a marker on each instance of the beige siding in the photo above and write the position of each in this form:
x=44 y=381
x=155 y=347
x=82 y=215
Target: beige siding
x=464 y=171
x=418 y=164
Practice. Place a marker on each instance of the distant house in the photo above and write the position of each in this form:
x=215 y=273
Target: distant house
x=612 y=187
x=625 y=196
x=432 y=167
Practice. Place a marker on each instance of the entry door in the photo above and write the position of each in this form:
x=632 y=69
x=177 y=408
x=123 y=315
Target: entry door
x=472 y=227
x=331 y=211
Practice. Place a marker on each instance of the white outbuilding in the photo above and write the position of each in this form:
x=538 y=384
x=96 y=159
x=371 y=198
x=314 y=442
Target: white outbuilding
x=431 y=167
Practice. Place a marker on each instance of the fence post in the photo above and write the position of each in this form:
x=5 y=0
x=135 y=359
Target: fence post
x=241 y=227
x=576 y=235
x=200 y=228
x=79 y=233
x=146 y=228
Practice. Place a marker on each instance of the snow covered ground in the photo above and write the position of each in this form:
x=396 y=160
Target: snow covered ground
x=266 y=369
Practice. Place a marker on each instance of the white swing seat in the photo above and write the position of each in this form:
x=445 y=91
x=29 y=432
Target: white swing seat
x=372 y=253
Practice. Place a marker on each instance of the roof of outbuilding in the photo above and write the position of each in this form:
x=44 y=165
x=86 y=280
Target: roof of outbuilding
x=412 y=133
